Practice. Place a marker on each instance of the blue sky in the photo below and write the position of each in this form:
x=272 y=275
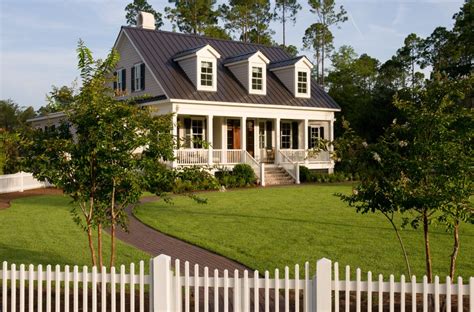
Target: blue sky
x=38 y=37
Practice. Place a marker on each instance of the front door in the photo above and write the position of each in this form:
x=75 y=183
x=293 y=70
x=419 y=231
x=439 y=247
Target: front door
x=233 y=134
x=250 y=128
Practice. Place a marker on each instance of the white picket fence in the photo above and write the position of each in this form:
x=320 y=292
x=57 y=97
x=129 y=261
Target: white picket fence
x=165 y=289
x=19 y=182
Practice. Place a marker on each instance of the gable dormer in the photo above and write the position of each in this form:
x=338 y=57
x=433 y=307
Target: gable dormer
x=295 y=74
x=200 y=65
x=251 y=71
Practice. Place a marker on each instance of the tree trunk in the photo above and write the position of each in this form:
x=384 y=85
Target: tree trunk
x=284 y=21
x=91 y=244
x=454 y=255
x=112 y=244
x=429 y=271
x=99 y=246
x=401 y=245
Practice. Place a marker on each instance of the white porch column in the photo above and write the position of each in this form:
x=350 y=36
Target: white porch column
x=174 y=163
x=277 y=139
x=210 y=138
x=224 y=141
x=306 y=136
x=331 y=139
x=243 y=133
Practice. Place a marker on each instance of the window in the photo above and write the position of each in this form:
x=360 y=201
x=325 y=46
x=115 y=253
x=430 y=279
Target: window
x=285 y=135
x=120 y=79
x=138 y=75
x=257 y=78
x=261 y=135
x=206 y=74
x=197 y=129
x=302 y=82
x=315 y=133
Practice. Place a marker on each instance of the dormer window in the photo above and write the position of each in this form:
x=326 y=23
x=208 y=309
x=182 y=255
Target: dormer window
x=251 y=70
x=200 y=65
x=257 y=78
x=206 y=74
x=302 y=82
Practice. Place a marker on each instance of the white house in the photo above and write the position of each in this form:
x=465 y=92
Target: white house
x=251 y=103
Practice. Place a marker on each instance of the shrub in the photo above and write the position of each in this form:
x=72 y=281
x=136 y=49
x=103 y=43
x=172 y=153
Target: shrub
x=244 y=175
x=305 y=174
x=191 y=179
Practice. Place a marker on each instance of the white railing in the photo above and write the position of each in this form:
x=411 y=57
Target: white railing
x=19 y=182
x=256 y=166
x=290 y=166
x=301 y=155
x=175 y=290
x=230 y=157
x=192 y=156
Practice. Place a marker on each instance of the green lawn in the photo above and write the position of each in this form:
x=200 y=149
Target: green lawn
x=40 y=230
x=273 y=227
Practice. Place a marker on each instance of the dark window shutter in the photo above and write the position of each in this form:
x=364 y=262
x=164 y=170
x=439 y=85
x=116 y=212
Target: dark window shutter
x=294 y=134
x=269 y=134
x=142 y=72
x=133 y=79
x=115 y=81
x=321 y=132
x=187 y=123
x=124 y=79
x=310 y=145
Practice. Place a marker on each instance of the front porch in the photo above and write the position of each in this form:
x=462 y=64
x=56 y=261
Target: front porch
x=222 y=141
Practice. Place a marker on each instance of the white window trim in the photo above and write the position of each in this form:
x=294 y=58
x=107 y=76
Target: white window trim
x=213 y=61
x=308 y=83
x=281 y=135
x=138 y=78
x=119 y=78
x=264 y=78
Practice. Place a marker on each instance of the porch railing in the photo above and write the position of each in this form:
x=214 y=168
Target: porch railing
x=301 y=155
x=229 y=157
x=201 y=156
x=290 y=166
x=256 y=166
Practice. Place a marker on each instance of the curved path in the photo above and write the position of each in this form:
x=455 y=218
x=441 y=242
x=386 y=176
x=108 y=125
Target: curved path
x=155 y=243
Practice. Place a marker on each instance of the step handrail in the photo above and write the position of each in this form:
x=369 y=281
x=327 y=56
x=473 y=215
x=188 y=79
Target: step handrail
x=256 y=166
x=291 y=167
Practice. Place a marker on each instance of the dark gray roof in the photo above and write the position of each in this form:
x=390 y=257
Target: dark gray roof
x=189 y=51
x=238 y=58
x=159 y=48
x=284 y=63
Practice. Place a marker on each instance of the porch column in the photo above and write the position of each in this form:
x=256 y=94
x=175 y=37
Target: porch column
x=243 y=133
x=277 y=139
x=174 y=162
x=210 y=138
x=331 y=139
x=306 y=139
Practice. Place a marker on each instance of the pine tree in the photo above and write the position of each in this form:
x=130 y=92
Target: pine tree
x=133 y=8
x=286 y=10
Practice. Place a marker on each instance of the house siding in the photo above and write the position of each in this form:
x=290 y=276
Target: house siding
x=189 y=66
x=287 y=77
x=128 y=58
x=241 y=72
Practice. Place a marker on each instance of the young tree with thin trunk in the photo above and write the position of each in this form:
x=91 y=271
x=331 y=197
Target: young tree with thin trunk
x=286 y=10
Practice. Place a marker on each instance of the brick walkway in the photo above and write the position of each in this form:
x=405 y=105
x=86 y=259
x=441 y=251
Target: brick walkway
x=155 y=243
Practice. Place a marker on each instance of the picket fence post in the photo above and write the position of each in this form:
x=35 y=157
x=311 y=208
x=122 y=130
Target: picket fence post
x=323 y=287
x=161 y=299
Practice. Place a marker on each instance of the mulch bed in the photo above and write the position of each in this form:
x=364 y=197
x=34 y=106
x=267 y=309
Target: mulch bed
x=6 y=198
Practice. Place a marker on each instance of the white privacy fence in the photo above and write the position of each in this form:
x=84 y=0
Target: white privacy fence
x=19 y=182
x=165 y=289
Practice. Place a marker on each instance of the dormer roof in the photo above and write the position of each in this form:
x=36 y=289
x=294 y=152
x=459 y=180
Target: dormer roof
x=291 y=62
x=195 y=51
x=248 y=56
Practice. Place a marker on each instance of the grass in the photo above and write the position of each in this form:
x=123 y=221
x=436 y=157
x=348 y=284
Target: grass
x=40 y=230
x=273 y=227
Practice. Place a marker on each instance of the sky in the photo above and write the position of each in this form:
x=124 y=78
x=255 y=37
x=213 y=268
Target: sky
x=38 y=38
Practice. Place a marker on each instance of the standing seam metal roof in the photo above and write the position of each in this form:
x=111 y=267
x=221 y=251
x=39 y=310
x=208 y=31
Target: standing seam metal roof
x=159 y=48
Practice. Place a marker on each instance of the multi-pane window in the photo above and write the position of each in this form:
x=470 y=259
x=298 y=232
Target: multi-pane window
x=137 y=81
x=302 y=82
x=120 y=82
x=261 y=134
x=257 y=78
x=313 y=137
x=285 y=135
x=206 y=74
x=197 y=129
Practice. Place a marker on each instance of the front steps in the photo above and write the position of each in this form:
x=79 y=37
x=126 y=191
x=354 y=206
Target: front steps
x=275 y=175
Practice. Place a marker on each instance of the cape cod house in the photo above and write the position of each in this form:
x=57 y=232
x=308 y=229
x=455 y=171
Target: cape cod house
x=249 y=103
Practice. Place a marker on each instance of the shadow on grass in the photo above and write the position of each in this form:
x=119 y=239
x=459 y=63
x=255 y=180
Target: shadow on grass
x=26 y=256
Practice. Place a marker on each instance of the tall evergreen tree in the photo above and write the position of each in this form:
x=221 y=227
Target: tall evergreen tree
x=286 y=10
x=133 y=8
x=195 y=17
x=249 y=19
x=328 y=15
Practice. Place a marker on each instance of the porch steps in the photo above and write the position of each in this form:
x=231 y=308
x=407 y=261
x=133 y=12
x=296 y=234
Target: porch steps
x=275 y=175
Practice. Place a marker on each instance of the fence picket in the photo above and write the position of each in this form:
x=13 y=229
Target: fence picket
x=297 y=288
x=216 y=290
x=245 y=292
x=122 y=288
x=113 y=290
x=103 y=284
x=236 y=291
x=369 y=291
x=4 y=286
x=94 y=289
x=336 y=287
x=142 y=286
x=436 y=293
x=425 y=293
x=85 y=292
x=347 y=286
x=48 y=288
x=40 y=288
x=287 y=289
x=392 y=293
x=226 y=291
x=177 y=284
x=186 y=287
x=13 y=286
x=471 y=293
x=256 y=291
x=75 y=287
x=448 y=294
x=267 y=291
x=57 y=288
x=132 y=287
x=22 y=288
x=413 y=293
x=460 y=294
x=277 y=291
x=31 y=287
x=402 y=293
x=196 y=287
x=380 y=293
x=306 y=288
x=206 y=289
x=66 y=288
x=358 y=290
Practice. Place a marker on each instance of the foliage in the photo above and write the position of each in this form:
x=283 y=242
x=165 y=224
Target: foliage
x=307 y=175
x=249 y=20
x=59 y=99
x=132 y=9
x=13 y=117
x=254 y=225
x=286 y=10
x=195 y=17
x=242 y=175
x=189 y=179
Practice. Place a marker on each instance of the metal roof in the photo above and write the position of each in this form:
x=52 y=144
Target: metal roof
x=159 y=48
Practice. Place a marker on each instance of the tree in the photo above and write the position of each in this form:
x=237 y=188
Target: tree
x=249 y=19
x=94 y=155
x=12 y=116
x=195 y=17
x=328 y=15
x=133 y=9
x=316 y=38
x=59 y=99
x=286 y=10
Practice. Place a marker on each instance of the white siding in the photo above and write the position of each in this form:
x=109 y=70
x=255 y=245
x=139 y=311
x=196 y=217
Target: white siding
x=130 y=57
x=287 y=77
x=218 y=131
